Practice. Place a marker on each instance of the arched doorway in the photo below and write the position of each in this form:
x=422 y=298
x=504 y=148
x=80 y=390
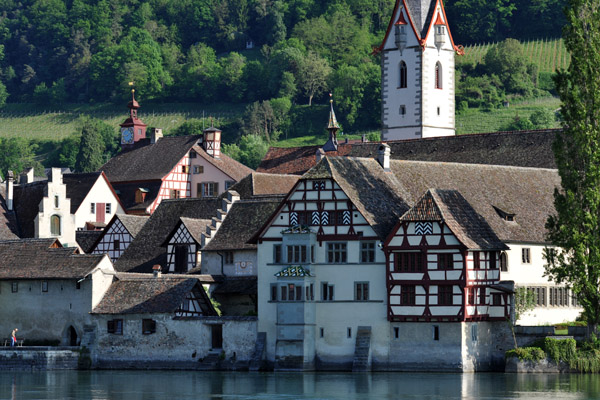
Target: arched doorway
x=72 y=336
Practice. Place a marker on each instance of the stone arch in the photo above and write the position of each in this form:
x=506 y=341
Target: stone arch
x=71 y=336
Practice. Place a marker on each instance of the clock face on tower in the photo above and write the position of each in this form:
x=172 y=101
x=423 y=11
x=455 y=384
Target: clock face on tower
x=126 y=135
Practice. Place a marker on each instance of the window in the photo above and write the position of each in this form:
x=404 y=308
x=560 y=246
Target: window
x=115 y=326
x=209 y=189
x=367 y=252
x=148 y=326
x=492 y=255
x=436 y=332
x=310 y=292
x=496 y=299
x=402 y=78
x=273 y=292
x=445 y=295
x=474 y=332
x=503 y=262
x=93 y=208
x=296 y=254
x=229 y=184
x=321 y=332
x=56 y=202
x=15 y=287
x=349 y=333
x=526 y=255
x=318 y=185
x=140 y=195
x=438 y=75
x=228 y=257
x=193 y=154
x=198 y=169
x=559 y=297
x=396 y=332
x=539 y=295
x=174 y=194
x=408 y=262
x=44 y=286
x=181 y=258
x=185 y=169
x=342 y=218
x=471 y=296
x=117 y=245
x=438 y=111
x=108 y=208
x=445 y=261
x=336 y=252
x=476 y=260
x=294 y=292
x=361 y=291
x=402 y=110
x=277 y=254
x=326 y=292
x=482 y=296
x=55 y=225
x=284 y=293
x=408 y=295
x=78 y=285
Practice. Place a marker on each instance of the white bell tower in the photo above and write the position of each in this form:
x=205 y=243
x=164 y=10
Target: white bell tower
x=417 y=62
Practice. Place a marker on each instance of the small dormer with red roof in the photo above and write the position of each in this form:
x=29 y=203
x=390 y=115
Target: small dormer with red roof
x=417 y=58
x=132 y=129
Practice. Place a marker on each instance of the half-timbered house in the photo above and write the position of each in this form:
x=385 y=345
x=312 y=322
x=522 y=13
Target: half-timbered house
x=118 y=235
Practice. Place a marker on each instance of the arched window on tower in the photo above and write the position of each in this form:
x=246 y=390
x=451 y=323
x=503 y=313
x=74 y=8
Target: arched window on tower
x=402 y=77
x=438 y=75
x=55 y=225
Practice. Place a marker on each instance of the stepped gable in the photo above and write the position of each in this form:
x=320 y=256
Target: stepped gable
x=43 y=259
x=470 y=228
x=493 y=191
x=145 y=250
x=234 y=169
x=519 y=149
x=127 y=193
x=258 y=185
x=242 y=221
x=147 y=294
x=9 y=229
x=295 y=160
x=145 y=161
x=371 y=190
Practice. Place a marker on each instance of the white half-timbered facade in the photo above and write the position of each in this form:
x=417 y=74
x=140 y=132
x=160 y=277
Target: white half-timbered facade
x=443 y=264
x=118 y=235
x=183 y=245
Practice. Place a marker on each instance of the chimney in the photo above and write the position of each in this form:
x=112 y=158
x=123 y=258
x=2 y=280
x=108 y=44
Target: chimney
x=383 y=156
x=155 y=135
x=9 y=190
x=320 y=154
x=27 y=176
x=55 y=175
x=156 y=271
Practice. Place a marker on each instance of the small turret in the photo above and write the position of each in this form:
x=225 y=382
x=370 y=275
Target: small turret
x=332 y=127
x=132 y=129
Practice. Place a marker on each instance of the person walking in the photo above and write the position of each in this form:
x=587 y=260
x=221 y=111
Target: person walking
x=13 y=337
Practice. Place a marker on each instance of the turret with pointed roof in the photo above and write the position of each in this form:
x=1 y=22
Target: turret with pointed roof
x=332 y=127
x=132 y=129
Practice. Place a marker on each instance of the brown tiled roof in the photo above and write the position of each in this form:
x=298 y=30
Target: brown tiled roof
x=137 y=294
x=126 y=193
x=470 y=228
x=243 y=220
x=259 y=184
x=146 y=161
x=526 y=192
x=8 y=220
x=37 y=259
x=87 y=239
x=195 y=227
x=295 y=160
x=520 y=148
x=145 y=250
x=234 y=169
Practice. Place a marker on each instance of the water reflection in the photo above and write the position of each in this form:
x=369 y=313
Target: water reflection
x=161 y=385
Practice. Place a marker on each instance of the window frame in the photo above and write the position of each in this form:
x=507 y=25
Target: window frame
x=361 y=291
x=442 y=261
x=525 y=255
x=148 y=326
x=44 y=287
x=327 y=291
x=337 y=252
x=405 y=262
x=402 y=75
x=408 y=295
x=277 y=253
x=445 y=295
x=439 y=83
x=367 y=255
x=115 y=326
x=296 y=254
x=55 y=225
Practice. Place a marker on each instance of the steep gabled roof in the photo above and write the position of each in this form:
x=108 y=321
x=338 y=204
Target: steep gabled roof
x=243 y=220
x=127 y=191
x=295 y=160
x=42 y=259
x=87 y=239
x=232 y=168
x=146 y=294
x=145 y=250
x=194 y=226
x=133 y=224
x=449 y=206
x=147 y=161
x=78 y=187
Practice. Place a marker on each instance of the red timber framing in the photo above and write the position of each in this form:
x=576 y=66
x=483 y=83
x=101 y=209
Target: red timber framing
x=430 y=276
x=179 y=180
x=322 y=205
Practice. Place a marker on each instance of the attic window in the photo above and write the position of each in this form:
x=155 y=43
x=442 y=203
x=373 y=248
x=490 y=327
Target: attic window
x=505 y=215
x=140 y=195
x=193 y=154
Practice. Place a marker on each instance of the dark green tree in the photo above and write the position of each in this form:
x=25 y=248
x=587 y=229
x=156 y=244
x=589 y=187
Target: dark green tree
x=575 y=228
x=93 y=145
x=16 y=154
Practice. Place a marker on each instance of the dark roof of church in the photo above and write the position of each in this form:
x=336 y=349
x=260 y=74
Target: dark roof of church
x=449 y=206
x=145 y=294
x=242 y=221
x=519 y=148
x=145 y=161
x=421 y=12
x=38 y=259
x=145 y=250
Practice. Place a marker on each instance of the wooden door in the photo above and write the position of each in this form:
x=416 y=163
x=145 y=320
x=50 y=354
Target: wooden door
x=100 y=212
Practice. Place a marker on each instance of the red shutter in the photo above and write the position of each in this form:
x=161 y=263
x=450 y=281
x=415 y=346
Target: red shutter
x=100 y=212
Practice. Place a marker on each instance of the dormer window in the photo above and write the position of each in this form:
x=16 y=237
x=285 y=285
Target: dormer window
x=505 y=215
x=140 y=195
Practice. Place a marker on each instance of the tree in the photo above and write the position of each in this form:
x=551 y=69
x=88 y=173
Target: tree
x=93 y=145
x=16 y=154
x=249 y=152
x=575 y=228
x=312 y=75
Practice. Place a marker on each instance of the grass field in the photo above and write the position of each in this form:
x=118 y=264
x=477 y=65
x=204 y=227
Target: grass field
x=548 y=54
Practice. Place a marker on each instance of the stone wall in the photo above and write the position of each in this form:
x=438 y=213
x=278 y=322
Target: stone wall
x=38 y=358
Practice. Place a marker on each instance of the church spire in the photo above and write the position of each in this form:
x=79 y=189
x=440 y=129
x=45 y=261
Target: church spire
x=332 y=127
x=132 y=129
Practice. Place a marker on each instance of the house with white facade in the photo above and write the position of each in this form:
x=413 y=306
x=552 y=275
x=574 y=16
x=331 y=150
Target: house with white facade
x=118 y=235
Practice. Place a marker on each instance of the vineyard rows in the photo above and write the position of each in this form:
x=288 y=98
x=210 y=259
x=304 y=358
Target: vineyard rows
x=548 y=54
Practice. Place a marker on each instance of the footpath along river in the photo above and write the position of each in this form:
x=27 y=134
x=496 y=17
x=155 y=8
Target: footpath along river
x=172 y=385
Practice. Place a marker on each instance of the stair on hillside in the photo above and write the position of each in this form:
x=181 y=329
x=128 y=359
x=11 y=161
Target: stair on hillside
x=361 y=349
x=259 y=351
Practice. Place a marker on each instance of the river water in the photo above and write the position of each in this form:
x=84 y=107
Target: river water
x=171 y=385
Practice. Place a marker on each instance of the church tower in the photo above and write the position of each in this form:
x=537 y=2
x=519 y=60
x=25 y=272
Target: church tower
x=417 y=61
x=132 y=129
